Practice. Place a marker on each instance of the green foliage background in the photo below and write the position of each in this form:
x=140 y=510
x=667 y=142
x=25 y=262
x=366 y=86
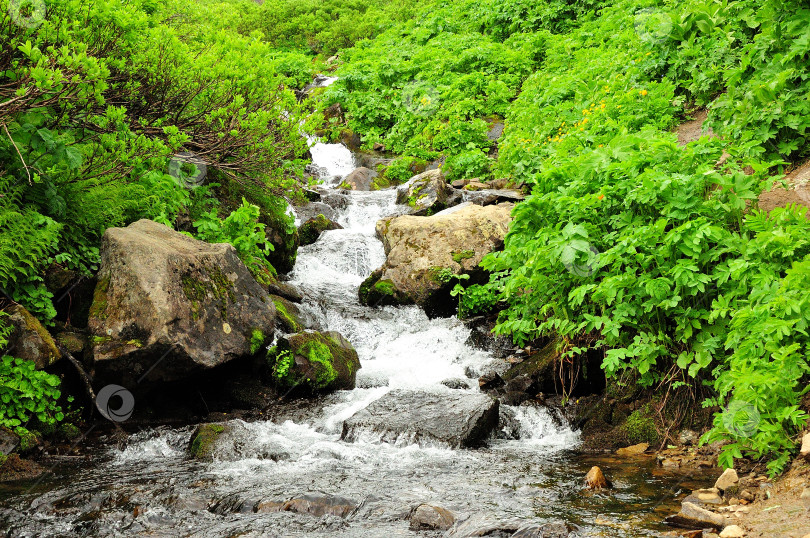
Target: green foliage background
x=693 y=287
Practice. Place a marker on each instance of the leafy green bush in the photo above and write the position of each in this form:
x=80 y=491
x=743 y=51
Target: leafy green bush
x=27 y=393
x=243 y=230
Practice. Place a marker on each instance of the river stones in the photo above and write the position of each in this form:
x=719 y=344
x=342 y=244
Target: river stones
x=595 y=479
x=693 y=516
x=424 y=254
x=204 y=439
x=452 y=419
x=425 y=194
x=313 y=361
x=167 y=305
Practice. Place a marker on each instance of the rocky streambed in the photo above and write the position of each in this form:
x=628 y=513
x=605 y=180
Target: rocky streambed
x=410 y=444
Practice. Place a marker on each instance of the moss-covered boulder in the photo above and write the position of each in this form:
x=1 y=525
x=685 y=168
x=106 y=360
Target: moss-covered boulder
x=285 y=245
x=314 y=362
x=290 y=318
x=167 y=306
x=425 y=194
x=424 y=255
x=377 y=292
x=204 y=439
x=311 y=230
x=29 y=339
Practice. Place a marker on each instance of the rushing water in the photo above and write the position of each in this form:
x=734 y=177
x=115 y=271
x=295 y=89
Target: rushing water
x=152 y=488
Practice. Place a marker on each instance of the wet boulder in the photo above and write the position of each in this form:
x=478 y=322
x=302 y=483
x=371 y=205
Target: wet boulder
x=360 y=179
x=29 y=340
x=429 y=517
x=167 y=305
x=283 y=236
x=483 y=524
x=313 y=361
x=320 y=504
x=424 y=254
x=290 y=317
x=425 y=194
x=204 y=439
x=314 y=209
x=285 y=290
x=452 y=419
x=311 y=230
x=595 y=479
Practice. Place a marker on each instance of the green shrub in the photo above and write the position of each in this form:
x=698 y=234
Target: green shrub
x=27 y=393
x=243 y=230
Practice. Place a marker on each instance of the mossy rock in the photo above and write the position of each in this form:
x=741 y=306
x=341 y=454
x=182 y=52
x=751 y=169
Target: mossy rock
x=29 y=339
x=311 y=230
x=540 y=367
x=288 y=316
x=640 y=426
x=314 y=362
x=285 y=245
x=285 y=290
x=29 y=440
x=375 y=291
x=202 y=442
x=69 y=432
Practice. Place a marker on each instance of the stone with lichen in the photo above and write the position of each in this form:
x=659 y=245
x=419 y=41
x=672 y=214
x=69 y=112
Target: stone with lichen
x=167 y=305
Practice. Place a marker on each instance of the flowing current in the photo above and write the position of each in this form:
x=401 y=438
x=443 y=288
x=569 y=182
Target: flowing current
x=152 y=488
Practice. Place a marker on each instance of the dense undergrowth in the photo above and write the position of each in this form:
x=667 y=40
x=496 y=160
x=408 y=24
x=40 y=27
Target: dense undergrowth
x=654 y=254
x=111 y=112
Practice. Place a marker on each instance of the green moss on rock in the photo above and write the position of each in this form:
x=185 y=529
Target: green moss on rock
x=640 y=426
x=317 y=362
x=215 y=286
x=287 y=315
x=459 y=257
x=201 y=446
x=375 y=291
x=98 y=310
x=311 y=230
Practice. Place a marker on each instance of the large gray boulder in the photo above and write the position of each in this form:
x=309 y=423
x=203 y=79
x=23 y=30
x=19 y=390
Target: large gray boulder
x=167 y=305
x=451 y=419
x=423 y=252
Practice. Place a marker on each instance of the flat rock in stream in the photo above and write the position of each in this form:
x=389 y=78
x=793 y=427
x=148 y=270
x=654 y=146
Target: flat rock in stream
x=483 y=524
x=452 y=419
